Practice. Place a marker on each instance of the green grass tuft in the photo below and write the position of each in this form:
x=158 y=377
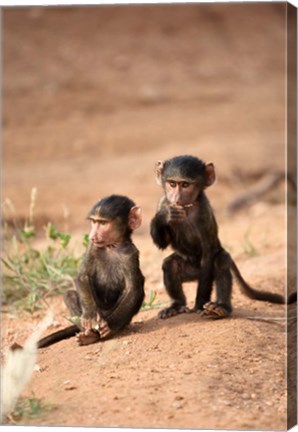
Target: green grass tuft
x=31 y=274
x=248 y=247
x=29 y=408
x=152 y=302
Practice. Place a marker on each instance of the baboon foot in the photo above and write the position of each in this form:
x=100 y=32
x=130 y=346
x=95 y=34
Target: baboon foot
x=215 y=310
x=87 y=338
x=172 y=311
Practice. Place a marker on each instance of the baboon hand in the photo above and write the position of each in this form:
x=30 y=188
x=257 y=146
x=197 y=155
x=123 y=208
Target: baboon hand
x=86 y=324
x=177 y=214
x=104 y=329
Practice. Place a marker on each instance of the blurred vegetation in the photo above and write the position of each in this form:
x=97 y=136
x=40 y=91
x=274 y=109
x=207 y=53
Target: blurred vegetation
x=29 y=408
x=30 y=274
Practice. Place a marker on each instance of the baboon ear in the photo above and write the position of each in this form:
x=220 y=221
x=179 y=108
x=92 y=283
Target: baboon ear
x=209 y=175
x=135 y=217
x=158 y=172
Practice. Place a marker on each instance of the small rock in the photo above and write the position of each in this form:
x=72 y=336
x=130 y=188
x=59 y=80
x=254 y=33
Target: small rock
x=68 y=388
x=177 y=405
x=178 y=397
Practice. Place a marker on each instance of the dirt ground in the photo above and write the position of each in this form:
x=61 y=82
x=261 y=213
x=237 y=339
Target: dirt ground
x=93 y=97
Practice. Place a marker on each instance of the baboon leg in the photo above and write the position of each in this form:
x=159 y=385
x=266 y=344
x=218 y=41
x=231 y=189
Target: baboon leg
x=72 y=301
x=222 y=307
x=204 y=288
x=176 y=270
x=87 y=338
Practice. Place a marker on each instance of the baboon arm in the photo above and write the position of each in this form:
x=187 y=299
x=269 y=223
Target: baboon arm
x=86 y=298
x=159 y=230
x=128 y=304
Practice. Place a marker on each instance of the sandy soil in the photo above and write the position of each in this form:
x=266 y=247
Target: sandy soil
x=92 y=98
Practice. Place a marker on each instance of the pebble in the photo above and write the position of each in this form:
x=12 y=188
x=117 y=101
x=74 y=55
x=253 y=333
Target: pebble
x=177 y=404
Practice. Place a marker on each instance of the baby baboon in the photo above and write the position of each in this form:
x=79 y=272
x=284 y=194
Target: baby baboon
x=110 y=285
x=186 y=222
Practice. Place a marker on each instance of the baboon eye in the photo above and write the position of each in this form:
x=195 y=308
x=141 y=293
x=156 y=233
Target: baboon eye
x=185 y=185
x=172 y=184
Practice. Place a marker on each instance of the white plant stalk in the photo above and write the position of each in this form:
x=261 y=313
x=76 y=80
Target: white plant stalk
x=19 y=367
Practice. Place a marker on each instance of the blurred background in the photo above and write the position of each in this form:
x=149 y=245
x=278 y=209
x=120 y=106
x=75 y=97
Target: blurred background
x=94 y=96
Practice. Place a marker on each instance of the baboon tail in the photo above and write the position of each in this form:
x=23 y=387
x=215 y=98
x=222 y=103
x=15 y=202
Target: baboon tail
x=251 y=292
x=58 y=336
